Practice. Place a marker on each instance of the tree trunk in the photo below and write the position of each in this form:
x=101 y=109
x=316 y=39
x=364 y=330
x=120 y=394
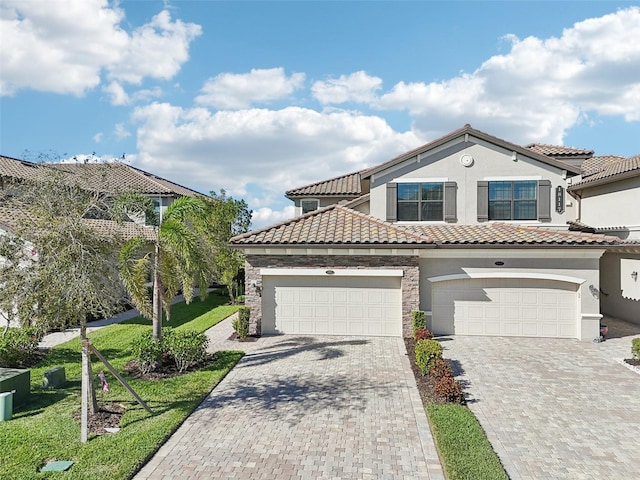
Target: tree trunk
x=157 y=297
x=89 y=404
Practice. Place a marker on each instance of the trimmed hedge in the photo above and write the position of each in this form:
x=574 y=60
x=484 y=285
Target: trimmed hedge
x=419 y=320
x=427 y=351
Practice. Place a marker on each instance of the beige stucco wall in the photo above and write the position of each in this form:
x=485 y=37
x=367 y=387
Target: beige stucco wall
x=612 y=302
x=490 y=163
x=583 y=264
x=613 y=205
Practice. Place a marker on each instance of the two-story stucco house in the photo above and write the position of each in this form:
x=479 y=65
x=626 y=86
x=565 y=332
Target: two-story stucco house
x=469 y=228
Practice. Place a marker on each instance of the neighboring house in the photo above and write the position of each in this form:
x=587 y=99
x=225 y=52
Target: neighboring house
x=120 y=178
x=117 y=178
x=470 y=228
x=608 y=193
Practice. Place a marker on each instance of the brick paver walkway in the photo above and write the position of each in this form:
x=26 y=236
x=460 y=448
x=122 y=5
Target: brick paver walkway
x=303 y=408
x=555 y=408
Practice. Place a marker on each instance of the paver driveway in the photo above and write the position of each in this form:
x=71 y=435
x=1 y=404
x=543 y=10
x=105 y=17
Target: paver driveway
x=554 y=408
x=306 y=407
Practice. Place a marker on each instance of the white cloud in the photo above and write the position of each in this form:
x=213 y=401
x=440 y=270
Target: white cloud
x=157 y=49
x=98 y=137
x=117 y=94
x=540 y=88
x=357 y=87
x=63 y=46
x=120 y=131
x=265 y=216
x=236 y=91
x=271 y=151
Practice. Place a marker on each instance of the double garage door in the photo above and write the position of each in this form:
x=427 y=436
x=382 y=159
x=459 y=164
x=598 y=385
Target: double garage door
x=505 y=307
x=327 y=305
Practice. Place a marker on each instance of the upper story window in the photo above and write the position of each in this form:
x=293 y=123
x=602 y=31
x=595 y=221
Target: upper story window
x=420 y=202
x=309 y=205
x=513 y=200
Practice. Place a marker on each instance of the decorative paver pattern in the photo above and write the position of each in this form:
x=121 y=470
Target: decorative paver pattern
x=305 y=407
x=554 y=408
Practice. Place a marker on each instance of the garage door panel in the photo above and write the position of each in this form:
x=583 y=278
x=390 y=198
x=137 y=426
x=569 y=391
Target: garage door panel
x=332 y=306
x=526 y=307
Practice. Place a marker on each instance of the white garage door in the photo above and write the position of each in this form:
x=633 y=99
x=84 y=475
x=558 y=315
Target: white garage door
x=505 y=307
x=332 y=305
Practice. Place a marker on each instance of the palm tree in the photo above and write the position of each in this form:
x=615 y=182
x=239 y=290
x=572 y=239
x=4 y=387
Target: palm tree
x=181 y=258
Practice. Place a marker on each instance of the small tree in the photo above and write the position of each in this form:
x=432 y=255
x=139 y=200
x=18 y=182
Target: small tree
x=181 y=256
x=73 y=274
x=228 y=217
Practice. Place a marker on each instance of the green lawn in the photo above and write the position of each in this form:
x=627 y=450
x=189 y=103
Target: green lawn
x=46 y=430
x=464 y=450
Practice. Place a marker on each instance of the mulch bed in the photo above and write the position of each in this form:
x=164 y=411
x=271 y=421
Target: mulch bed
x=250 y=338
x=107 y=416
x=166 y=369
x=423 y=382
x=632 y=361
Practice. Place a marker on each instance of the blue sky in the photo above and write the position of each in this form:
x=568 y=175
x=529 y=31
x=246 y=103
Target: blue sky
x=261 y=97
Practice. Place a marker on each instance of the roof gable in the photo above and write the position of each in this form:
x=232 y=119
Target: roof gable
x=466 y=133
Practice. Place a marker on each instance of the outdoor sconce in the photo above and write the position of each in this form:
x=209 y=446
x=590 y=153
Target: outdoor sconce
x=634 y=275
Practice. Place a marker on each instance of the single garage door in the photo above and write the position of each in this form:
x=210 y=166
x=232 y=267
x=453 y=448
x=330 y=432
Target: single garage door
x=332 y=305
x=505 y=307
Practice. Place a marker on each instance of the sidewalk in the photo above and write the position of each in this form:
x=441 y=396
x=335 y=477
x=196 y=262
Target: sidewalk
x=56 y=338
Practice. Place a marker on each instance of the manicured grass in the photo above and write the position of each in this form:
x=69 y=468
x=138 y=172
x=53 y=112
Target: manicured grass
x=46 y=429
x=465 y=452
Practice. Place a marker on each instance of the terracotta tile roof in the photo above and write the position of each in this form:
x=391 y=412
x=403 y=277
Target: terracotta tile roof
x=19 y=169
x=331 y=225
x=344 y=185
x=338 y=224
x=596 y=164
x=612 y=171
x=507 y=234
x=122 y=177
x=10 y=218
x=559 y=150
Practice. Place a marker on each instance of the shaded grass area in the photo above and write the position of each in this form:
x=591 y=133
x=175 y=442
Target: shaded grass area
x=464 y=450
x=46 y=430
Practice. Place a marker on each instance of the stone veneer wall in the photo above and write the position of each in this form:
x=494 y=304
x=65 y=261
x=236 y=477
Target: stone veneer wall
x=410 y=280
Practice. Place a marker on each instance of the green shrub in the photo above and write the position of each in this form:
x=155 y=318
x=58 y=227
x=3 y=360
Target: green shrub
x=419 y=319
x=449 y=389
x=427 y=351
x=422 y=334
x=240 y=299
x=147 y=352
x=186 y=347
x=18 y=346
x=635 y=348
x=440 y=368
x=241 y=323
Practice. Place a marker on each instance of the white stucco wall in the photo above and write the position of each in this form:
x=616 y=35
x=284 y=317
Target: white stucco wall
x=490 y=163
x=323 y=202
x=613 y=205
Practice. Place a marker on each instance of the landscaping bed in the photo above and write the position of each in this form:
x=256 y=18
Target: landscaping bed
x=463 y=448
x=48 y=428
